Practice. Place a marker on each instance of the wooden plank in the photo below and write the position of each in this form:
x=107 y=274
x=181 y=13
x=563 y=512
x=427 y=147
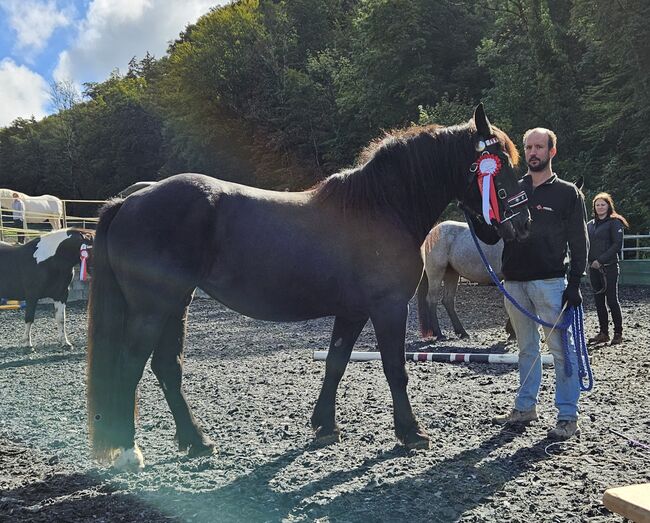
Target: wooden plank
x=632 y=502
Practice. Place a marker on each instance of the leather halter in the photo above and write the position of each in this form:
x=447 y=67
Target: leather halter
x=485 y=171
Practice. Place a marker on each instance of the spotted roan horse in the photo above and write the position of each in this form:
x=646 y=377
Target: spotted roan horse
x=449 y=253
x=348 y=248
x=42 y=268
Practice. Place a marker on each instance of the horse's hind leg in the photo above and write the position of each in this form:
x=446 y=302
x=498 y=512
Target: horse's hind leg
x=167 y=365
x=143 y=332
x=449 y=301
x=390 y=329
x=323 y=419
x=434 y=274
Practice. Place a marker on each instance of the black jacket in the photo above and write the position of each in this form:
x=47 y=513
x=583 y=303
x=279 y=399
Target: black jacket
x=605 y=240
x=558 y=226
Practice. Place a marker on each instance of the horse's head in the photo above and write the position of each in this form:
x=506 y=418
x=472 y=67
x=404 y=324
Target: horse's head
x=494 y=192
x=85 y=240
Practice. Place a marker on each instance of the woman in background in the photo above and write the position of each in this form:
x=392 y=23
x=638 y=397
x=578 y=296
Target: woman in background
x=605 y=242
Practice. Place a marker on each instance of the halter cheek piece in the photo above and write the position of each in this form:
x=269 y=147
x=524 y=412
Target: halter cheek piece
x=486 y=169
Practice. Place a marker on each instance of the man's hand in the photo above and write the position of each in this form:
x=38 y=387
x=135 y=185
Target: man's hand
x=596 y=265
x=572 y=296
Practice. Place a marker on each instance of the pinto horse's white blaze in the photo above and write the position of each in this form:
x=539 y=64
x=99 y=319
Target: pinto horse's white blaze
x=48 y=244
x=27 y=337
x=59 y=316
x=129 y=459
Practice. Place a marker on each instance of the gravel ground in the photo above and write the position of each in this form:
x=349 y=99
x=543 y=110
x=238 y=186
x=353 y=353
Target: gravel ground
x=253 y=385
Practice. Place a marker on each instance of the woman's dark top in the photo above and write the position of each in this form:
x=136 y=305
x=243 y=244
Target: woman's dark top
x=605 y=240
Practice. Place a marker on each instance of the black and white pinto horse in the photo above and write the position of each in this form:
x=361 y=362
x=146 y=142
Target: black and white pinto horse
x=348 y=248
x=42 y=268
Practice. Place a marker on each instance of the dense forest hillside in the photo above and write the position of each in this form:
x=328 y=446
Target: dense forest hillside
x=278 y=94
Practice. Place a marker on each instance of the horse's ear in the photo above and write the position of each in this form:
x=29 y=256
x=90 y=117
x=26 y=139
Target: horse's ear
x=481 y=121
x=579 y=183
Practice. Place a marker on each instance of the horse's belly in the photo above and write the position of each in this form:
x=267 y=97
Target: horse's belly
x=11 y=287
x=282 y=302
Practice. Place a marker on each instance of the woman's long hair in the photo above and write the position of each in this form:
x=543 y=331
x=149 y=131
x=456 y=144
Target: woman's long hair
x=611 y=210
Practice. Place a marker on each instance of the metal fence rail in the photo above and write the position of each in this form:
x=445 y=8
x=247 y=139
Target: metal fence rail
x=9 y=232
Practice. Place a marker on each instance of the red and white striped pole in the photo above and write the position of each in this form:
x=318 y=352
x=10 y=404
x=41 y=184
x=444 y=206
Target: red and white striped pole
x=442 y=357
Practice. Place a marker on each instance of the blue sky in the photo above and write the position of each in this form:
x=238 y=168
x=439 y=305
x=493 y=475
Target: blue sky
x=79 y=41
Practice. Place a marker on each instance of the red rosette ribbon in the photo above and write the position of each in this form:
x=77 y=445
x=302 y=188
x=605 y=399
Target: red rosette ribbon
x=83 y=270
x=489 y=165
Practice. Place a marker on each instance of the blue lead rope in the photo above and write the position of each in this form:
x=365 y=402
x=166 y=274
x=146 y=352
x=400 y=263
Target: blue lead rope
x=574 y=317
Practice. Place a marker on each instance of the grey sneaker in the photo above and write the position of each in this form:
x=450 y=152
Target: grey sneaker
x=564 y=429
x=516 y=417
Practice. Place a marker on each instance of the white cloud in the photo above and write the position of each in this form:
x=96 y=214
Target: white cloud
x=34 y=21
x=114 y=31
x=23 y=92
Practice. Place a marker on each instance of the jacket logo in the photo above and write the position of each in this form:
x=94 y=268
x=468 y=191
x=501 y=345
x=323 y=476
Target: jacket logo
x=540 y=207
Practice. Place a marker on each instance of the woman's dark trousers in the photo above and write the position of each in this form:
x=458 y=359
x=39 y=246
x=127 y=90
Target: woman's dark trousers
x=607 y=280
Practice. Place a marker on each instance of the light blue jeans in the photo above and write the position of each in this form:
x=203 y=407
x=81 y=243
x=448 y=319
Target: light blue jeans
x=543 y=298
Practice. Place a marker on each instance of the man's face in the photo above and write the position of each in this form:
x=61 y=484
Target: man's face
x=538 y=155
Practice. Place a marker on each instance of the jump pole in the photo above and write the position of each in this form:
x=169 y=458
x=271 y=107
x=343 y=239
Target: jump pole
x=441 y=357
x=11 y=304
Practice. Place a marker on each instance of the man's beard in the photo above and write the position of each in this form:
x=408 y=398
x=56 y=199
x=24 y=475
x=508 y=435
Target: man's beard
x=541 y=165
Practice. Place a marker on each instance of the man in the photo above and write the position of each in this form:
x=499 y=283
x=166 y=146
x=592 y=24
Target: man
x=18 y=215
x=534 y=271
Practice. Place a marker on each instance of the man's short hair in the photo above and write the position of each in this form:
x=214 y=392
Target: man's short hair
x=552 y=137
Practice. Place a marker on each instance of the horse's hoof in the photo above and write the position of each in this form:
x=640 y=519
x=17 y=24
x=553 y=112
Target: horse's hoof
x=201 y=449
x=130 y=460
x=417 y=440
x=463 y=335
x=323 y=440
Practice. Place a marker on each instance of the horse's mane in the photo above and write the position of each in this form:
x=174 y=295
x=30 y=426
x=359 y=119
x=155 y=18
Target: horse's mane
x=410 y=173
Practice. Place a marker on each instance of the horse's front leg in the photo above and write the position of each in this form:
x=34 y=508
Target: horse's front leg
x=390 y=329
x=59 y=316
x=30 y=312
x=167 y=365
x=323 y=419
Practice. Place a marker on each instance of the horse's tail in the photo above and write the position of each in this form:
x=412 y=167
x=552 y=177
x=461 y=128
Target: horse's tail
x=106 y=336
x=424 y=310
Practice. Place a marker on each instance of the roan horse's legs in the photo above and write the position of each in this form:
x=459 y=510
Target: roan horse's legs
x=449 y=298
x=390 y=329
x=142 y=334
x=323 y=420
x=167 y=365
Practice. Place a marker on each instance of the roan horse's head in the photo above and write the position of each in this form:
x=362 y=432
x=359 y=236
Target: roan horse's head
x=494 y=192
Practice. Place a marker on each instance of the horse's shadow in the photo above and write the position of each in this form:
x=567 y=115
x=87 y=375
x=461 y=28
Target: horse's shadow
x=468 y=475
x=34 y=502
x=30 y=358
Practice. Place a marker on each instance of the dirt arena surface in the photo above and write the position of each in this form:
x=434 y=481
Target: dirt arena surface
x=253 y=385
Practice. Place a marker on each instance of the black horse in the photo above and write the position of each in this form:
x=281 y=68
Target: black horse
x=42 y=268
x=349 y=248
